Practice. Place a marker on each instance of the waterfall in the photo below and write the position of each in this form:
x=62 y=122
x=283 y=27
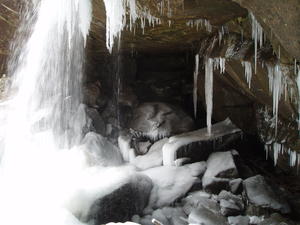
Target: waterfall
x=44 y=120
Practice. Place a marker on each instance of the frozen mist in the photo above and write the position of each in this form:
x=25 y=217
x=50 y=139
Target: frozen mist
x=43 y=162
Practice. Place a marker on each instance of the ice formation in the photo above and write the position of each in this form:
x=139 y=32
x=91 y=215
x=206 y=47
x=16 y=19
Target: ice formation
x=195 y=91
x=298 y=85
x=257 y=35
x=248 y=71
x=279 y=148
x=209 y=92
x=200 y=22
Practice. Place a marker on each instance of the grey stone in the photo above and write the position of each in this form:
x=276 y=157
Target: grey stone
x=261 y=194
x=236 y=186
x=238 y=220
x=204 y=216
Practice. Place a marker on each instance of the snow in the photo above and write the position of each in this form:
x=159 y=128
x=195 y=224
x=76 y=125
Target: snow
x=195 y=90
x=209 y=92
x=257 y=36
x=248 y=71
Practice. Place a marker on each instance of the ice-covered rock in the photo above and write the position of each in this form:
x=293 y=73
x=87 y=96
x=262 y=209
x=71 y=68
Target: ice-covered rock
x=156 y=120
x=198 y=144
x=261 y=194
x=128 y=153
x=99 y=151
x=143 y=147
x=202 y=215
x=153 y=158
x=120 y=205
x=170 y=183
x=238 y=220
x=220 y=169
x=196 y=200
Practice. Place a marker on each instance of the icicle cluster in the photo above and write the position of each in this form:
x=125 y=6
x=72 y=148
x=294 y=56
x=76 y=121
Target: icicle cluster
x=116 y=19
x=210 y=65
x=257 y=36
x=195 y=91
x=248 y=71
x=201 y=23
x=221 y=34
x=278 y=149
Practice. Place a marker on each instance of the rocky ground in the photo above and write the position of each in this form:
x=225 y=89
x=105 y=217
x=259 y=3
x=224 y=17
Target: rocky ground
x=185 y=176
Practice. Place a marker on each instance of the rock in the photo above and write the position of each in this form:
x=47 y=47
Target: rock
x=204 y=216
x=197 y=145
x=119 y=206
x=99 y=151
x=98 y=123
x=126 y=223
x=197 y=201
x=261 y=194
x=156 y=120
x=170 y=183
x=229 y=208
x=143 y=147
x=236 y=186
x=153 y=158
x=220 y=168
x=256 y=219
x=276 y=219
x=231 y=205
x=238 y=220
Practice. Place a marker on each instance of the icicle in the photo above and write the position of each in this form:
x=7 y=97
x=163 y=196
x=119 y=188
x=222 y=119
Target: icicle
x=276 y=150
x=277 y=91
x=298 y=85
x=169 y=21
x=209 y=92
x=271 y=77
x=257 y=36
x=248 y=71
x=295 y=66
x=222 y=65
x=279 y=52
x=195 y=92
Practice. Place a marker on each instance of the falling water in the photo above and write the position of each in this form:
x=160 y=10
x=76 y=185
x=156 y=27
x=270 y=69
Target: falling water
x=43 y=169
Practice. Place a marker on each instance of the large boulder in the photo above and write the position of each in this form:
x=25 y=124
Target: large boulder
x=260 y=194
x=156 y=120
x=220 y=169
x=120 y=205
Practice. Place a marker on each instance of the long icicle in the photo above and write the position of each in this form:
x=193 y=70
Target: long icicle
x=195 y=91
x=209 y=92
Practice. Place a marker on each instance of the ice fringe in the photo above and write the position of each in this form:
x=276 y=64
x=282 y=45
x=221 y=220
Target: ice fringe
x=200 y=22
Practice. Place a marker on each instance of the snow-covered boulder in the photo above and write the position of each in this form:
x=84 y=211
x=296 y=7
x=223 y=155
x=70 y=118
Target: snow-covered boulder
x=261 y=194
x=170 y=183
x=220 y=169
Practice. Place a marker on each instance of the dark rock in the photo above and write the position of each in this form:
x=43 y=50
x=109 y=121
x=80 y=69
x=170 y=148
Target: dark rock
x=197 y=145
x=220 y=169
x=204 y=216
x=261 y=194
x=231 y=205
x=123 y=203
x=156 y=120
x=98 y=123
